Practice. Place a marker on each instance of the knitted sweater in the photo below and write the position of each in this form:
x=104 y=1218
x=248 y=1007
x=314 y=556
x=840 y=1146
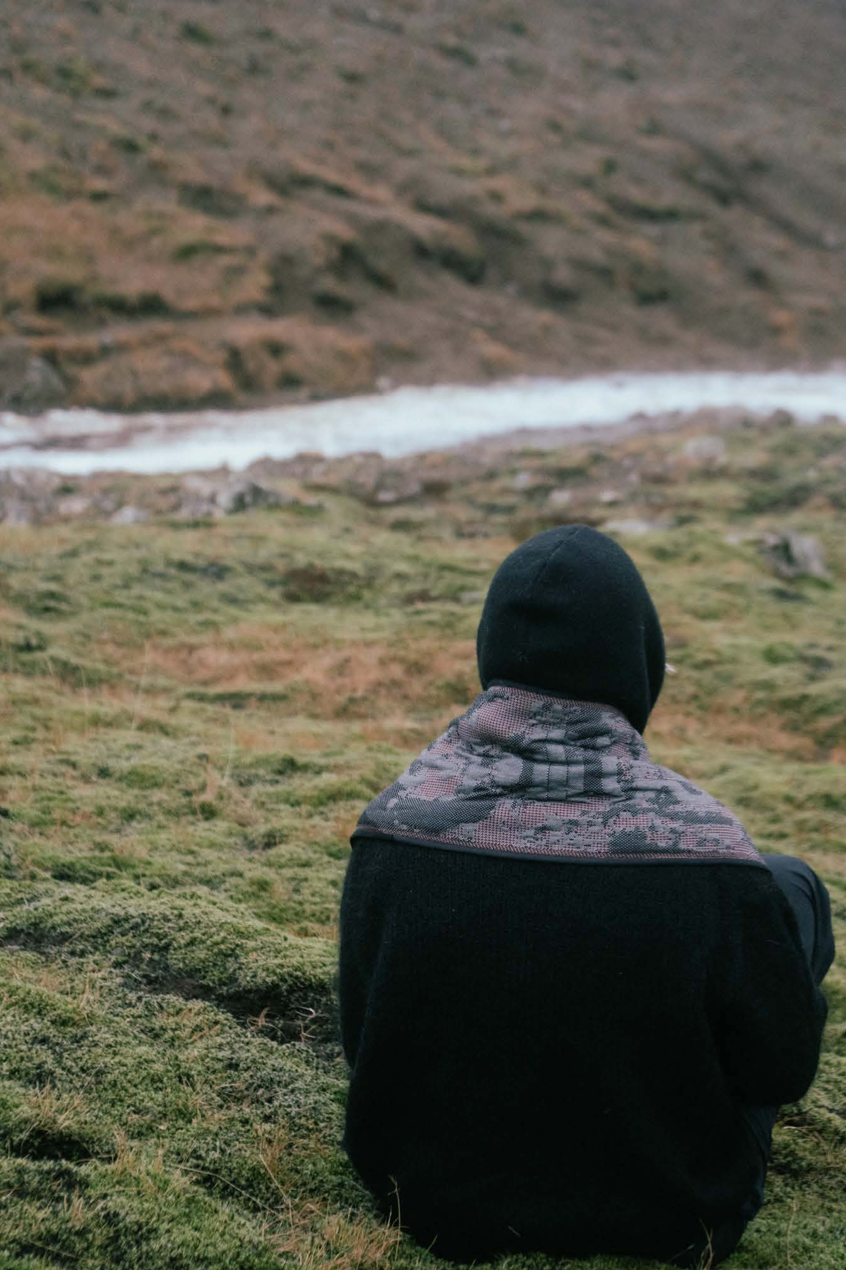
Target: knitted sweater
x=554 y=1052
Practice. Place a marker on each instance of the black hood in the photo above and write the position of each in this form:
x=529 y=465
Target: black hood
x=569 y=613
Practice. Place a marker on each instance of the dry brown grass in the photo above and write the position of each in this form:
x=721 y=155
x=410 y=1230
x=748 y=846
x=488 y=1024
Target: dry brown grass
x=337 y=678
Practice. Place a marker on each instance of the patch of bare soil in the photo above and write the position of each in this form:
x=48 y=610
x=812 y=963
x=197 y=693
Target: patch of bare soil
x=204 y=203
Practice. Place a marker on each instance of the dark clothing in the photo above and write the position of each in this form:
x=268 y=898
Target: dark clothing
x=556 y=1056
x=568 y=612
x=569 y=987
x=811 y=907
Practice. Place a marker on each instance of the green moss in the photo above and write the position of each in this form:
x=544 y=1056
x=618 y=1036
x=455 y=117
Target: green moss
x=183 y=943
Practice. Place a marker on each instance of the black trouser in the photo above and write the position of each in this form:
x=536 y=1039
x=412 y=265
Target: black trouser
x=808 y=898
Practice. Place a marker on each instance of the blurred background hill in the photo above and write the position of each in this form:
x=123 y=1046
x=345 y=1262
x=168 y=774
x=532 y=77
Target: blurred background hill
x=209 y=203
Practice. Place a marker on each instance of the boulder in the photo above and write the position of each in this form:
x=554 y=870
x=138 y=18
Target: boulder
x=793 y=555
x=203 y=495
x=634 y=527
x=73 y=505
x=241 y=494
x=708 y=452
x=27 y=495
x=129 y=515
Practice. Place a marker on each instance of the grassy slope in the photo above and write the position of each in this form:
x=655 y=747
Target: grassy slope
x=192 y=718
x=215 y=202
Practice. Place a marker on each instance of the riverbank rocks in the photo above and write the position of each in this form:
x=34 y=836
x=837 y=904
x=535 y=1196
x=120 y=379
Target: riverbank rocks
x=201 y=495
x=709 y=453
x=635 y=485
x=27 y=495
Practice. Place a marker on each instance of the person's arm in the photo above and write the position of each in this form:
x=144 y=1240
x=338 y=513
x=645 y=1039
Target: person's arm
x=768 y=1014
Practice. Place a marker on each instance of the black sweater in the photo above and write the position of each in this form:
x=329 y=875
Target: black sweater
x=552 y=1055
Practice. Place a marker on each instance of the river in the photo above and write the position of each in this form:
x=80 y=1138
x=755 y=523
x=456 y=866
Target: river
x=401 y=421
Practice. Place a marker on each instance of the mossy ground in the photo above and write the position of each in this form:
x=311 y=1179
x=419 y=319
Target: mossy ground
x=192 y=718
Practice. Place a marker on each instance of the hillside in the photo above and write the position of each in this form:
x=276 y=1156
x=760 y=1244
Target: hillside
x=219 y=203
x=195 y=710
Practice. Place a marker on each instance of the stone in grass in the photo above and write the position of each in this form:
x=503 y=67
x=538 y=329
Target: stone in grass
x=129 y=515
x=202 y=495
x=241 y=494
x=73 y=505
x=558 y=499
x=27 y=495
x=634 y=527
x=709 y=452
x=794 y=555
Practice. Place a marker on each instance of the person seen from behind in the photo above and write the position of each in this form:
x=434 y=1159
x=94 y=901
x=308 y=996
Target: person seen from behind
x=573 y=994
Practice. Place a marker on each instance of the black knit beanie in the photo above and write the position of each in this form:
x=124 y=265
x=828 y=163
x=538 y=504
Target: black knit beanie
x=569 y=613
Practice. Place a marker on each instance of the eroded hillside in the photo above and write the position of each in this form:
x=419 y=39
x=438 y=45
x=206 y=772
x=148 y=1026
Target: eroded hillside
x=210 y=203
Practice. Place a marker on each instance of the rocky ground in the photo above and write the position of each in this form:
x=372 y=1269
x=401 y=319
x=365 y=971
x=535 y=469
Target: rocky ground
x=204 y=203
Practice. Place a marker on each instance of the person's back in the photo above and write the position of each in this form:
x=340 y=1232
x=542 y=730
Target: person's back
x=566 y=973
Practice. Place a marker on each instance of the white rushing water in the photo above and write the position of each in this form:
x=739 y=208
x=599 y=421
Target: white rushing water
x=402 y=421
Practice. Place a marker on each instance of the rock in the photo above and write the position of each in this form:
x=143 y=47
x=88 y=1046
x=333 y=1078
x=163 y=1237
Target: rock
x=73 y=505
x=196 y=497
x=27 y=495
x=29 y=384
x=471 y=597
x=523 y=481
x=17 y=513
x=204 y=495
x=107 y=501
x=241 y=494
x=559 y=498
x=634 y=527
x=373 y=480
x=793 y=555
x=395 y=487
x=129 y=515
x=708 y=452
x=738 y=537
x=610 y=496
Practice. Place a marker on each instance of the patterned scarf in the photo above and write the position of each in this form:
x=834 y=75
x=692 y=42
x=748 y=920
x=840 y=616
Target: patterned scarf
x=530 y=776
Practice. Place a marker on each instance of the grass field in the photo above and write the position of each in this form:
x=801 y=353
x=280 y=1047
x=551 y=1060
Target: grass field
x=193 y=715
